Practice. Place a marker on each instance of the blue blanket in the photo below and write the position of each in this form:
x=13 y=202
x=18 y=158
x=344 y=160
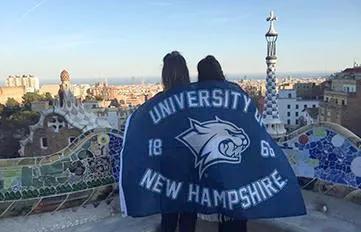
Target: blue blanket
x=203 y=148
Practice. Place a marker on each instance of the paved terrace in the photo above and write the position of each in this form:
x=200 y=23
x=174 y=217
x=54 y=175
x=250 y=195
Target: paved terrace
x=340 y=216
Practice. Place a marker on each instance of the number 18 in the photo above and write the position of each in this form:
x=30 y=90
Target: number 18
x=155 y=147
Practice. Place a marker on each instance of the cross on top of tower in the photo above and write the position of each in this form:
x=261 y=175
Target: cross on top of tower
x=271 y=31
x=271 y=17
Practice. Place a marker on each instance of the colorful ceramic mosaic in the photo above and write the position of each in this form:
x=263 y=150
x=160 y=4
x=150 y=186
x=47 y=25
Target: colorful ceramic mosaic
x=88 y=169
x=85 y=171
x=323 y=153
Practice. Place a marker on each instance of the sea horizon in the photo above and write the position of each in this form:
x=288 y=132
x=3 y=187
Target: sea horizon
x=156 y=79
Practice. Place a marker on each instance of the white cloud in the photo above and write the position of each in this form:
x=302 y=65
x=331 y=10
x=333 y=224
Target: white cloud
x=32 y=9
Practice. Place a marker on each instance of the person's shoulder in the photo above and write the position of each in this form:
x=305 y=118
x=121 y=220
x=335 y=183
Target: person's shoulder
x=232 y=83
x=148 y=103
x=157 y=94
x=217 y=83
x=236 y=86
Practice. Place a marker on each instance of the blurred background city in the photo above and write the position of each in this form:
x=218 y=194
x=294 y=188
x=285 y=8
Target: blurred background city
x=71 y=72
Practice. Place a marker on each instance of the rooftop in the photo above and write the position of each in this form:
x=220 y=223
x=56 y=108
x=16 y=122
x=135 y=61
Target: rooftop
x=352 y=70
x=313 y=112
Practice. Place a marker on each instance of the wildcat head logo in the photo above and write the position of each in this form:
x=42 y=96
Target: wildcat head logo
x=213 y=142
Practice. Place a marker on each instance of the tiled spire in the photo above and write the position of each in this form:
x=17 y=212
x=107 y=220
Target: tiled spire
x=271 y=116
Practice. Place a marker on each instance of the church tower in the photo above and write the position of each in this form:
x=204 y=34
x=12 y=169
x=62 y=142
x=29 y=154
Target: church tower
x=271 y=118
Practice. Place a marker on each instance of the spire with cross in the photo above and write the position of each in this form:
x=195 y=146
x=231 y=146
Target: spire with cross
x=271 y=31
x=271 y=116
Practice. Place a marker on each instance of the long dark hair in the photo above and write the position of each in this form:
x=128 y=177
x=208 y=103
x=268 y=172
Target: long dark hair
x=210 y=69
x=175 y=71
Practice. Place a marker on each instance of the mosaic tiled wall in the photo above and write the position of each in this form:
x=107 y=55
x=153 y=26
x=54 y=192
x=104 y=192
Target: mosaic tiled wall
x=88 y=169
x=324 y=153
x=85 y=171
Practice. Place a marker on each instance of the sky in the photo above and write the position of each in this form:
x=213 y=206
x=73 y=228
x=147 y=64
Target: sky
x=115 y=38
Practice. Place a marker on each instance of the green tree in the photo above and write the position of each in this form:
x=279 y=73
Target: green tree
x=12 y=103
x=2 y=107
x=47 y=97
x=28 y=98
x=26 y=116
x=11 y=107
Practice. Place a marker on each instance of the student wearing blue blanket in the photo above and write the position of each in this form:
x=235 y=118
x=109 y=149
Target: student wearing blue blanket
x=175 y=73
x=153 y=181
x=210 y=69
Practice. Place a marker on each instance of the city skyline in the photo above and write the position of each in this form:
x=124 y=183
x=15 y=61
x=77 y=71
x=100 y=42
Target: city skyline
x=119 y=39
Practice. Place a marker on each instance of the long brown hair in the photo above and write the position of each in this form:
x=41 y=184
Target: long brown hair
x=175 y=71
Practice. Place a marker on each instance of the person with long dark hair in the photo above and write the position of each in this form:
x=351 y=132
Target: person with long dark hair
x=210 y=69
x=175 y=73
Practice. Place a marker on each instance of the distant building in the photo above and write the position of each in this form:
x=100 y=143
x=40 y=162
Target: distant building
x=103 y=90
x=133 y=101
x=59 y=125
x=81 y=91
x=11 y=92
x=342 y=100
x=309 y=116
x=291 y=107
x=52 y=89
x=29 y=82
x=309 y=90
x=94 y=104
